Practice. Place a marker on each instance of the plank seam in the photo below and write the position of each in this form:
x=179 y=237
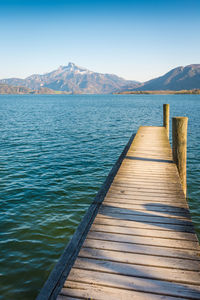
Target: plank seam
x=135 y=252
x=145 y=244
x=142 y=235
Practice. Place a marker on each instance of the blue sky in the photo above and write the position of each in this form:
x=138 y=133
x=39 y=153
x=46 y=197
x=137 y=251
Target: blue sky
x=137 y=40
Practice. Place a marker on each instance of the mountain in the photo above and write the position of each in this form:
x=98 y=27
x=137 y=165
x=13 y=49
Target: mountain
x=181 y=78
x=73 y=79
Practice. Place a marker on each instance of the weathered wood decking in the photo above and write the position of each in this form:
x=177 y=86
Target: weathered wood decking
x=141 y=244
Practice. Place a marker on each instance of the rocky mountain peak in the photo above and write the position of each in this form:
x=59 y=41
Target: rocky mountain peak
x=71 y=65
x=72 y=68
x=73 y=79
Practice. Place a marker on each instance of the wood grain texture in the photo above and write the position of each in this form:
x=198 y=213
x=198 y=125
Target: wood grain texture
x=151 y=272
x=93 y=291
x=144 y=233
x=141 y=242
x=135 y=283
x=142 y=249
x=179 y=141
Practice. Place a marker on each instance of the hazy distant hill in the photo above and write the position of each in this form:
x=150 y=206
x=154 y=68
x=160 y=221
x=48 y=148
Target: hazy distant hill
x=181 y=78
x=73 y=79
x=8 y=89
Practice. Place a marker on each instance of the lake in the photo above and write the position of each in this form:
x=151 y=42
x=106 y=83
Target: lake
x=55 y=153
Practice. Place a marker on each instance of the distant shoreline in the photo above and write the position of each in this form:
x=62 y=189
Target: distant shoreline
x=13 y=90
x=6 y=89
x=160 y=92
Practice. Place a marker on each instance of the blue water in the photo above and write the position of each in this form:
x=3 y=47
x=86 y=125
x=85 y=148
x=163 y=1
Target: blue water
x=55 y=153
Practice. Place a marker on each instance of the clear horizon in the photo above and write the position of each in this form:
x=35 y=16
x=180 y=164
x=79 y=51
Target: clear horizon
x=136 y=41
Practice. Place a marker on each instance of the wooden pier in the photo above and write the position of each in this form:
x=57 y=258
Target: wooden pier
x=137 y=240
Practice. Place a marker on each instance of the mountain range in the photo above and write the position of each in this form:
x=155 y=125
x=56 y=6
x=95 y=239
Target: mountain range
x=72 y=79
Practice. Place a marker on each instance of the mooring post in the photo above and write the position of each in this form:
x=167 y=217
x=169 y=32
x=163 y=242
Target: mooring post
x=179 y=141
x=166 y=118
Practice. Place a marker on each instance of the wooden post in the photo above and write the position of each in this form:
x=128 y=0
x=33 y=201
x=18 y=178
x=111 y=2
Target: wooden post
x=166 y=118
x=179 y=141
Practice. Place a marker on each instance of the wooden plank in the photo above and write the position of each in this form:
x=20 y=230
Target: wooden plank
x=125 y=179
x=175 y=275
x=146 y=218
x=160 y=175
x=157 y=152
x=151 y=174
x=143 y=180
x=179 y=244
x=92 y=291
x=135 y=191
x=146 y=192
x=151 y=165
x=147 y=160
x=139 y=202
x=152 y=184
x=181 y=208
x=143 y=173
x=160 y=163
x=146 y=197
x=130 y=164
x=135 y=283
x=149 y=187
x=144 y=232
x=141 y=259
x=128 y=209
x=151 y=226
x=142 y=249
